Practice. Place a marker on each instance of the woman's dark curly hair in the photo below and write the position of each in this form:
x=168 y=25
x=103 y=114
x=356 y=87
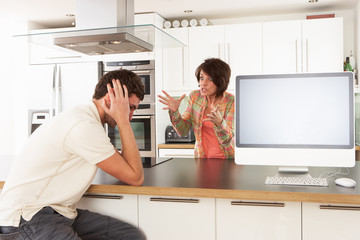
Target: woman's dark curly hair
x=218 y=70
x=126 y=77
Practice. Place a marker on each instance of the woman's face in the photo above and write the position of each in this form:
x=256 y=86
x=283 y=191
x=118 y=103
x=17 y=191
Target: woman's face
x=207 y=86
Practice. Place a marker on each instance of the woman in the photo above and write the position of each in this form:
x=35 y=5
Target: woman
x=210 y=111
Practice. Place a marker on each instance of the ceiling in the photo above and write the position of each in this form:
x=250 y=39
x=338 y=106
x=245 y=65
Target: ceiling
x=52 y=13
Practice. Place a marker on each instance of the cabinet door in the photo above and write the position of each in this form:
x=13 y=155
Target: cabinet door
x=177 y=153
x=163 y=218
x=77 y=81
x=330 y=221
x=123 y=207
x=282 y=47
x=204 y=42
x=243 y=49
x=323 y=45
x=175 y=63
x=237 y=219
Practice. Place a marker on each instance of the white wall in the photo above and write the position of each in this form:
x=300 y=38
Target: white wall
x=11 y=66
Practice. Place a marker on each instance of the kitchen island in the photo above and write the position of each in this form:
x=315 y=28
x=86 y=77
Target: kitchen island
x=228 y=201
x=215 y=178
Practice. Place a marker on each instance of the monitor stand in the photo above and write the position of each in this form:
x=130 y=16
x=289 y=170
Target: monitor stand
x=299 y=170
x=293 y=171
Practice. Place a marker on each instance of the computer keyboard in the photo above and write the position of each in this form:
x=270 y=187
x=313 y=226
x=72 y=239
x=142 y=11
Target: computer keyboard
x=297 y=181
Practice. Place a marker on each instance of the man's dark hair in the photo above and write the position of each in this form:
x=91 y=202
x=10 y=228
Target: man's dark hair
x=218 y=70
x=126 y=77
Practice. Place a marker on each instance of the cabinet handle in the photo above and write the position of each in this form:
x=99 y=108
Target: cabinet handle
x=118 y=197
x=263 y=204
x=183 y=66
x=141 y=72
x=228 y=53
x=307 y=55
x=219 y=48
x=141 y=117
x=302 y=57
x=296 y=55
x=180 y=200
x=335 y=207
x=52 y=110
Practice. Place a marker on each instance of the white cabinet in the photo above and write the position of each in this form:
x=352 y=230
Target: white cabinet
x=330 y=221
x=303 y=46
x=175 y=63
x=323 y=39
x=176 y=152
x=243 y=49
x=204 y=42
x=282 y=47
x=123 y=207
x=163 y=218
x=246 y=219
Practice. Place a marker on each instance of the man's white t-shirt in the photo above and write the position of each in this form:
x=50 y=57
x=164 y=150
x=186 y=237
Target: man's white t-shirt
x=57 y=165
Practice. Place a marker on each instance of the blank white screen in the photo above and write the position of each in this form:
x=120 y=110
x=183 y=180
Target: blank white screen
x=299 y=112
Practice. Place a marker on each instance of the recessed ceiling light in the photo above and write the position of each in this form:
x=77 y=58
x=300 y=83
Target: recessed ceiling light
x=313 y=1
x=188 y=11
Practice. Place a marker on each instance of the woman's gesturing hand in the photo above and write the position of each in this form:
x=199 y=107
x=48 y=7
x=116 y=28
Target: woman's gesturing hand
x=171 y=103
x=214 y=116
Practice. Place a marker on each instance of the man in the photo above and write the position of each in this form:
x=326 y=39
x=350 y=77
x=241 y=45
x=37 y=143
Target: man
x=60 y=160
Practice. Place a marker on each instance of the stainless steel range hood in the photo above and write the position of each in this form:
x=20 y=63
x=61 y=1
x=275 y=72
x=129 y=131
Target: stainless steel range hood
x=109 y=13
x=105 y=27
x=122 y=42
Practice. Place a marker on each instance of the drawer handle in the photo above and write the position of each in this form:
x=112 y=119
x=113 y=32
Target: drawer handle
x=118 y=197
x=335 y=207
x=263 y=204
x=181 y=200
x=180 y=155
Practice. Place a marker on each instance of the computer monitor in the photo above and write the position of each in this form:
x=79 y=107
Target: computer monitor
x=297 y=120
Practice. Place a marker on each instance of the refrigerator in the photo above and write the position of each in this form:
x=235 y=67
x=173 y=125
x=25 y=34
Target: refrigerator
x=50 y=89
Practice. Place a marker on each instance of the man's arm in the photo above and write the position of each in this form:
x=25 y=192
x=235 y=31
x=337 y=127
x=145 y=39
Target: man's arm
x=126 y=166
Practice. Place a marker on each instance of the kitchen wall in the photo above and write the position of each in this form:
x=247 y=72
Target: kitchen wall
x=11 y=66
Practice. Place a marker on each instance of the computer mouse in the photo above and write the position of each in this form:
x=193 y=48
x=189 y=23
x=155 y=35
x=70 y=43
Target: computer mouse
x=345 y=182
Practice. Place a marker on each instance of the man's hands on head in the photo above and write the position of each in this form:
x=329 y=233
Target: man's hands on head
x=117 y=106
x=126 y=166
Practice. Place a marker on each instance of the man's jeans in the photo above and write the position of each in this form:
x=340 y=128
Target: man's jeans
x=48 y=224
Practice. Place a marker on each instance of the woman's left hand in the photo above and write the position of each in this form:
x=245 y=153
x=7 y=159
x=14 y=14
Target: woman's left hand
x=214 y=116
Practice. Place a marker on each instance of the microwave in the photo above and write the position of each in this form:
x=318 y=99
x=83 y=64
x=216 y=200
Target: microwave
x=145 y=69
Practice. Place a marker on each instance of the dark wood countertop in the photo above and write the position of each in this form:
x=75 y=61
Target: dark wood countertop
x=216 y=178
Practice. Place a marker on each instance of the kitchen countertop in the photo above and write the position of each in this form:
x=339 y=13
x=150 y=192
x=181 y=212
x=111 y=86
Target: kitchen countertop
x=216 y=178
x=177 y=145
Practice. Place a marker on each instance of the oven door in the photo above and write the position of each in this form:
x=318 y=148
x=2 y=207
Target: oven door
x=144 y=132
x=148 y=79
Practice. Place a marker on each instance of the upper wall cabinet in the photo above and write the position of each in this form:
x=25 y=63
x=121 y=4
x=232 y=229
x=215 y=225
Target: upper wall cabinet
x=255 y=48
x=243 y=50
x=175 y=63
x=303 y=46
x=204 y=42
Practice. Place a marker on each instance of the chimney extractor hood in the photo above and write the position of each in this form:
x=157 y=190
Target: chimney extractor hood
x=104 y=43
x=105 y=27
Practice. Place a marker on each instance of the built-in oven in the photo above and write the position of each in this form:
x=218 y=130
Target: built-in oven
x=145 y=69
x=143 y=121
x=143 y=126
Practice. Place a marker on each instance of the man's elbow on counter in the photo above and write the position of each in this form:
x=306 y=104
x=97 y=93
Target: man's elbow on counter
x=138 y=181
